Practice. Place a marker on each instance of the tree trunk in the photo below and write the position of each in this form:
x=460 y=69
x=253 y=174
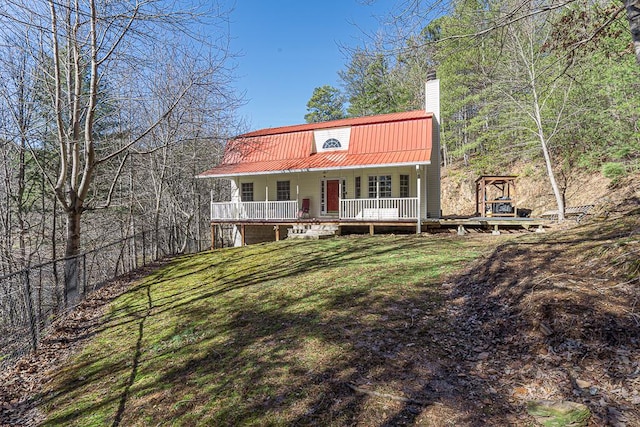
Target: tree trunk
x=71 y=271
x=552 y=179
x=633 y=14
x=547 y=156
x=54 y=254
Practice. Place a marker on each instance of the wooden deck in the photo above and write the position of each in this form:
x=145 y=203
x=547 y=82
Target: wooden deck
x=525 y=223
x=460 y=224
x=493 y=224
x=575 y=212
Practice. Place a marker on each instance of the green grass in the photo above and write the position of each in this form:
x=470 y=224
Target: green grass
x=262 y=335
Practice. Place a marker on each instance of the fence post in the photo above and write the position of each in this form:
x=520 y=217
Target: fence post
x=84 y=273
x=40 y=317
x=144 y=249
x=32 y=323
x=131 y=246
x=56 y=285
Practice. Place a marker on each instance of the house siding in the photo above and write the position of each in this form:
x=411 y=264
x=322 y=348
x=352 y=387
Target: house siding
x=308 y=186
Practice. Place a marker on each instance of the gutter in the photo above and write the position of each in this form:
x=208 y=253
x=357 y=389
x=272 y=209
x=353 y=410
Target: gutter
x=333 y=168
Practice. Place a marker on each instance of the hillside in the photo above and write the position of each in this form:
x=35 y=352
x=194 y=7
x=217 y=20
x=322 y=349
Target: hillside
x=428 y=330
x=532 y=186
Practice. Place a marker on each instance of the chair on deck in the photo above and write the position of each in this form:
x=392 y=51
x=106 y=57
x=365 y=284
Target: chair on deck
x=304 y=210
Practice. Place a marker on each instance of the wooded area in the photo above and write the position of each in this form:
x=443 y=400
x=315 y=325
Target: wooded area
x=554 y=84
x=108 y=111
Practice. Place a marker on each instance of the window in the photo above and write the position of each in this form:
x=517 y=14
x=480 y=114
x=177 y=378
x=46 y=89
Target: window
x=385 y=186
x=404 y=185
x=283 y=190
x=380 y=186
x=358 y=185
x=331 y=143
x=246 y=195
x=373 y=187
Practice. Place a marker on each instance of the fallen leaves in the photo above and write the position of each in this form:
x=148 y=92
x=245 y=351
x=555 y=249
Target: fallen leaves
x=21 y=382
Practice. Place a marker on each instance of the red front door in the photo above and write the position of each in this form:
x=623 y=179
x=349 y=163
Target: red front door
x=333 y=193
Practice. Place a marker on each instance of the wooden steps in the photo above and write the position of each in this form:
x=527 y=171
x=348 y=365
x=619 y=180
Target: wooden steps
x=312 y=231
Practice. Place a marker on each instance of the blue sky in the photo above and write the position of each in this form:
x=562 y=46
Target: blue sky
x=289 y=47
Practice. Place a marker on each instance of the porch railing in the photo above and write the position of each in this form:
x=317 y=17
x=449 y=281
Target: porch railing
x=391 y=209
x=379 y=209
x=280 y=210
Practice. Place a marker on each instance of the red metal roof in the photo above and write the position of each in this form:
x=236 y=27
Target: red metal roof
x=383 y=140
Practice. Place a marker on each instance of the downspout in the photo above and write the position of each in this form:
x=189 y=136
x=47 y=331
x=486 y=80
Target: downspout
x=426 y=194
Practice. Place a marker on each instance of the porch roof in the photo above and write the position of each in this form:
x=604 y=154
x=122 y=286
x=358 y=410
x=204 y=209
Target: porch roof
x=385 y=140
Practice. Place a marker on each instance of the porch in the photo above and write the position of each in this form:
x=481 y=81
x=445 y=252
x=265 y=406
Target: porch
x=358 y=199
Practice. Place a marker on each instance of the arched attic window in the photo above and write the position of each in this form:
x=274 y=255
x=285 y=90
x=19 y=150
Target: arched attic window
x=331 y=143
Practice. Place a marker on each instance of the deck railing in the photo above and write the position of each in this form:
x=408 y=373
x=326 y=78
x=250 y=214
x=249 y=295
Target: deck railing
x=280 y=210
x=379 y=209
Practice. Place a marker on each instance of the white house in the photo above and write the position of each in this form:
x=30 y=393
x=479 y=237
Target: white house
x=366 y=171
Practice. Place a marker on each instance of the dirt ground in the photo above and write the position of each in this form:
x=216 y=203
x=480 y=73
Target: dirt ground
x=551 y=316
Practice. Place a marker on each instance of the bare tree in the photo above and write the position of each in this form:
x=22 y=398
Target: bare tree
x=85 y=51
x=533 y=86
x=21 y=189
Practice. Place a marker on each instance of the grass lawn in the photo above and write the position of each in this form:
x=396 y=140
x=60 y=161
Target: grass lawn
x=269 y=334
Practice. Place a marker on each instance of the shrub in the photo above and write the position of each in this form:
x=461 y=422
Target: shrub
x=614 y=170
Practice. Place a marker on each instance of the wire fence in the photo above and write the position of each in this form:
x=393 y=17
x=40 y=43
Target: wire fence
x=33 y=298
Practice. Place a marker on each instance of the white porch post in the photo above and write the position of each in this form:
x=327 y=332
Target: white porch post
x=266 y=202
x=419 y=223
x=377 y=193
x=340 y=198
x=237 y=196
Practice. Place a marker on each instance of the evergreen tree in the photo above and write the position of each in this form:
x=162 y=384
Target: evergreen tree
x=326 y=103
x=367 y=84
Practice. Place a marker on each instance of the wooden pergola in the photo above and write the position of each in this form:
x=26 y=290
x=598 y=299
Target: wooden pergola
x=496 y=196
